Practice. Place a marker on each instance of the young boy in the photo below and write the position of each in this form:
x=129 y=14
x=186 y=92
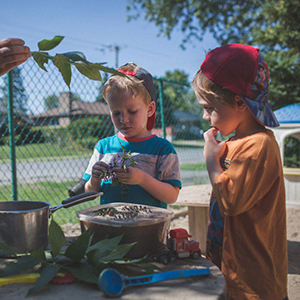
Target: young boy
x=247 y=218
x=155 y=180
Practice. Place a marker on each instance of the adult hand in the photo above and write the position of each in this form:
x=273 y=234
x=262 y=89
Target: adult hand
x=12 y=53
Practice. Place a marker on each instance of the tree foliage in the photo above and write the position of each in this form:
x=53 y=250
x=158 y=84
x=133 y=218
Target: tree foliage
x=177 y=96
x=20 y=97
x=51 y=102
x=272 y=25
x=177 y=92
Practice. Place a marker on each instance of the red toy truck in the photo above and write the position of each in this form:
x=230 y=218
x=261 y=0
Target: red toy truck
x=179 y=246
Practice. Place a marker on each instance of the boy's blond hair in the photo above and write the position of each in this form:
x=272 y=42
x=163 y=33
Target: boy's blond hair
x=204 y=87
x=117 y=85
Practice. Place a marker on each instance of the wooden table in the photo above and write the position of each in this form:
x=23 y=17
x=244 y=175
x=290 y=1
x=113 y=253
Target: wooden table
x=196 y=198
x=209 y=287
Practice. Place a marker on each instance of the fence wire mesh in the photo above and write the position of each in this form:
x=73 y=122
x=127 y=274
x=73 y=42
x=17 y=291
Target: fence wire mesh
x=46 y=146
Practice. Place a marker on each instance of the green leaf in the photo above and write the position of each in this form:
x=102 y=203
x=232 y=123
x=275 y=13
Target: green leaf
x=64 y=67
x=19 y=266
x=89 y=71
x=56 y=238
x=134 y=154
x=84 y=271
x=76 y=251
x=41 y=58
x=46 y=45
x=106 y=243
x=4 y=250
x=39 y=254
x=75 y=56
x=3 y=247
x=107 y=250
x=117 y=253
x=122 y=147
x=48 y=272
x=96 y=252
x=107 y=70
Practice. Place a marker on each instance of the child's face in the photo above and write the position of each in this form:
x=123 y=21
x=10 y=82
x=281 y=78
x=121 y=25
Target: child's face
x=220 y=115
x=129 y=114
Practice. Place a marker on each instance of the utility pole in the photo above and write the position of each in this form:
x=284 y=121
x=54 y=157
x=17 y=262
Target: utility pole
x=115 y=48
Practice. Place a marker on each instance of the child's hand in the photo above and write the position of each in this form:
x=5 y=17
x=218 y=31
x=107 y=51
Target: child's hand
x=129 y=175
x=98 y=170
x=213 y=148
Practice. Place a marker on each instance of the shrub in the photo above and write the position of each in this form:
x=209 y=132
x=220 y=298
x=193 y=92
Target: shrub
x=87 y=128
x=28 y=135
x=292 y=152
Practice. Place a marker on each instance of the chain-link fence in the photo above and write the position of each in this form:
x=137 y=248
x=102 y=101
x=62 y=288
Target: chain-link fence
x=47 y=133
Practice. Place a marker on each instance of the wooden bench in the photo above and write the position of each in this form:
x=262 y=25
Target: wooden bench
x=196 y=198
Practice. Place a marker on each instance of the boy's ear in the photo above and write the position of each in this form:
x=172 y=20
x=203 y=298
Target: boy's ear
x=151 y=109
x=240 y=103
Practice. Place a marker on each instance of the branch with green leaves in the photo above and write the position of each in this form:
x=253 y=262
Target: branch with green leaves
x=63 y=61
x=83 y=260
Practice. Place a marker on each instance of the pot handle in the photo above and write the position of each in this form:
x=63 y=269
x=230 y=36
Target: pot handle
x=76 y=200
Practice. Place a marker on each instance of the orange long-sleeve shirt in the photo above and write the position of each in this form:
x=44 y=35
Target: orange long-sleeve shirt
x=251 y=198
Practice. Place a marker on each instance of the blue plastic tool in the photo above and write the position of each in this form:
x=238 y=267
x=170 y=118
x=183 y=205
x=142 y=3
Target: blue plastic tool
x=112 y=283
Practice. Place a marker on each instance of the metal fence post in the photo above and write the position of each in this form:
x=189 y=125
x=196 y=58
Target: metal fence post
x=161 y=102
x=12 y=135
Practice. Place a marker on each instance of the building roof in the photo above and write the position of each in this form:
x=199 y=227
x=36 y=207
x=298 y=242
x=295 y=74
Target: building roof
x=78 y=108
x=288 y=114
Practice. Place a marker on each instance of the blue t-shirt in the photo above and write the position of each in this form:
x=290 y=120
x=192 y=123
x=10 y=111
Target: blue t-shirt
x=157 y=157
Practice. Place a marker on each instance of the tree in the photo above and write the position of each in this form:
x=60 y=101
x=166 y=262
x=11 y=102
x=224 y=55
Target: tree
x=20 y=97
x=177 y=92
x=177 y=95
x=271 y=24
x=51 y=102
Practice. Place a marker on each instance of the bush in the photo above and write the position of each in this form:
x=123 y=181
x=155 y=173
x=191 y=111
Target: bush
x=28 y=135
x=88 y=143
x=87 y=128
x=292 y=152
x=3 y=130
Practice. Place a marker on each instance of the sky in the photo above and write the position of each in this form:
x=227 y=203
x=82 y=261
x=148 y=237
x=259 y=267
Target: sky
x=96 y=28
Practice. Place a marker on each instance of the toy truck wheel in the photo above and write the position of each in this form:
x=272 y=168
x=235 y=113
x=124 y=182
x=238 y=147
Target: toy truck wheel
x=172 y=257
x=164 y=259
x=195 y=255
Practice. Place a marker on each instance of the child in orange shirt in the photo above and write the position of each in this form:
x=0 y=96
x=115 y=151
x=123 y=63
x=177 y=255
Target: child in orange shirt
x=247 y=221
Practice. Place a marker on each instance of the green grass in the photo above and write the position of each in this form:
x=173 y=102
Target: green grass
x=188 y=144
x=42 y=152
x=54 y=192
x=193 y=167
x=51 y=192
